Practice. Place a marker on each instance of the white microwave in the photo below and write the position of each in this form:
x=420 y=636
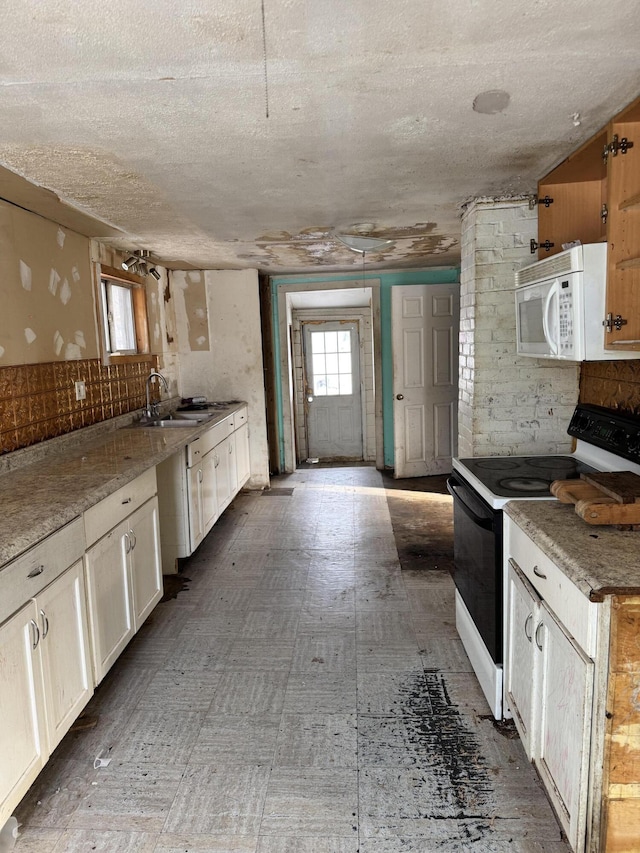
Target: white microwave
x=560 y=306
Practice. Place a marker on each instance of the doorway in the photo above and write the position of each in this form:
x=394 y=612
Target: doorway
x=332 y=393
x=334 y=427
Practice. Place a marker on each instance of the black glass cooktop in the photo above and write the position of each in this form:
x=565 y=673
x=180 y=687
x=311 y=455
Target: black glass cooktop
x=524 y=476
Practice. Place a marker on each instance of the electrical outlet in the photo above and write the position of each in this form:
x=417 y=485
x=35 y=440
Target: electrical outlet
x=81 y=390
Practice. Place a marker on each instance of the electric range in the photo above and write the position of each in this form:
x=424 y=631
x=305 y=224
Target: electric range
x=606 y=440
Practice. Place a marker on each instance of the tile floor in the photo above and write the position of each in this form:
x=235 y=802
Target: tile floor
x=302 y=694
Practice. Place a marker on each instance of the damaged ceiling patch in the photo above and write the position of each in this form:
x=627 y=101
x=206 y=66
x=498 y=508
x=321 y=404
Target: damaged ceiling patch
x=492 y=102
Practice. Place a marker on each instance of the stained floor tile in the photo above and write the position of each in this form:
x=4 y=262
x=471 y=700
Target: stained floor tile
x=295 y=692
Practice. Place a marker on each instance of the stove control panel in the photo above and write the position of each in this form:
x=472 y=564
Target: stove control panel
x=617 y=432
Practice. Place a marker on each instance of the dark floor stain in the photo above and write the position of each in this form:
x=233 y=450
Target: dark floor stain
x=507 y=728
x=277 y=493
x=174 y=584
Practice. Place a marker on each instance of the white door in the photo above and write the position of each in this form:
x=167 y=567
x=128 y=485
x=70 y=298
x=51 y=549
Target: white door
x=145 y=561
x=333 y=400
x=424 y=324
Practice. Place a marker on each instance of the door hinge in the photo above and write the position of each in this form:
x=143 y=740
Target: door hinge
x=546 y=245
x=534 y=199
x=612 y=322
x=604 y=213
x=621 y=145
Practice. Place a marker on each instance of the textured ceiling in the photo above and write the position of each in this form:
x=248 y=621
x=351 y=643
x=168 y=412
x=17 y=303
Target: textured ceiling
x=245 y=133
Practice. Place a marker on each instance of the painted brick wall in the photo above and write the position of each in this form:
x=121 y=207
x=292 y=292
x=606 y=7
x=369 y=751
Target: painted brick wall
x=507 y=404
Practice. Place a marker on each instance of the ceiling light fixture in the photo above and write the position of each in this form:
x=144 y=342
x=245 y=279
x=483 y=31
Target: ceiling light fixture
x=130 y=262
x=360 y=243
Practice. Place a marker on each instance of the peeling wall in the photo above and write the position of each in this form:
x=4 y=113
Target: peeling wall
x=190 y=307
x=231 y=368
x=47 y=291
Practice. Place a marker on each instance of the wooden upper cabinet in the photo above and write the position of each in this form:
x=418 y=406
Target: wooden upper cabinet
x=594 y=196
x=623 y=261
x=571 y=199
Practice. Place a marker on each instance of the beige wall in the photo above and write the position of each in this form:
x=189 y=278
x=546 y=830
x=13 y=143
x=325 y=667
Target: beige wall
x=47 y=310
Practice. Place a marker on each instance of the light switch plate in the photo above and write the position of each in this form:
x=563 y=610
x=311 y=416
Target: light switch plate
x=81 y=390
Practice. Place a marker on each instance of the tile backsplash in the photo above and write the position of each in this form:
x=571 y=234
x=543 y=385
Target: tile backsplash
x=38 y=401
x=613 y=384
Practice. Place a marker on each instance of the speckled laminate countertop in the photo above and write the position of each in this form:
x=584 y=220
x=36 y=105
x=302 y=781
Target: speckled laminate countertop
x=600 y=560
x=39 y=498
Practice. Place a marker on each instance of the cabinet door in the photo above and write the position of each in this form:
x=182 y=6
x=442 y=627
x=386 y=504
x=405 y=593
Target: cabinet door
x=65 y=651
x=109 y=595
x=225 y=460
x=22 y=733
x=145 y=559
x=623 y=261
x=243 y=465
x=523 y=605
x=209 y=491
x=196 y=514
x=563 y=741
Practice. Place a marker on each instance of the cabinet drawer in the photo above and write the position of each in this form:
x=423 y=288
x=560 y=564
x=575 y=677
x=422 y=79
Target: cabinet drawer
x=573 y=609
x=28 y=574
x=216 y=434
x=104 y=516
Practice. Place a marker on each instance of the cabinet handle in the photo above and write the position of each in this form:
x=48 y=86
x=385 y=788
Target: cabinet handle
x=200 y=475
x=527 y=623
x=538 y=643
x=126 y=501
x=230 y=448
x=35 y=633
x=45 y=624
x=127 y=549
x=132 y=536
x=539 y=574
x=35 y=572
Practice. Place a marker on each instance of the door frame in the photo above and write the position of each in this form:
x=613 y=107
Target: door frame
x=282 y=314
x=311 y=316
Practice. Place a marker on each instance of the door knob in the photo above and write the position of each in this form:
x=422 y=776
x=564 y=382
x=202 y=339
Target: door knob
x=399 y=396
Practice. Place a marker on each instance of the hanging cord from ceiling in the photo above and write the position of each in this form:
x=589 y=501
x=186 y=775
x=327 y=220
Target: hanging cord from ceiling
x=264 y=57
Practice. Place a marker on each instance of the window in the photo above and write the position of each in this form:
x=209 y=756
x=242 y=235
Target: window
x=331 y=353
x=124 y=315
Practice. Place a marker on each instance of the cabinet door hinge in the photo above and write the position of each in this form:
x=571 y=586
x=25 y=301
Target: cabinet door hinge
x=547 y=245
x=604 y=213
x=621 y=145
x=612 y=322
x=534 y=199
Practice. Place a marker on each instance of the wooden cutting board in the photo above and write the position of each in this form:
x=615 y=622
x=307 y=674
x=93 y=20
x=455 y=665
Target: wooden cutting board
x=605 y=497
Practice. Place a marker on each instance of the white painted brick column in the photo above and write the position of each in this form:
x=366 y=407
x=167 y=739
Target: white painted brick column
x=507 y=404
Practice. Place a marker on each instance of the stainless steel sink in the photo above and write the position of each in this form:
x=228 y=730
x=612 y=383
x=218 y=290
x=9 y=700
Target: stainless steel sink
x=166 y=423
x=176 y=421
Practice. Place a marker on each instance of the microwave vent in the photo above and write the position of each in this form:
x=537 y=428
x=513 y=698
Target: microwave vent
x=546 y=268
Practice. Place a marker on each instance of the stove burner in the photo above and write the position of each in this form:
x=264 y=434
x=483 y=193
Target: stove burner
x=557 y=462
x=496 y=463
x=530 y=485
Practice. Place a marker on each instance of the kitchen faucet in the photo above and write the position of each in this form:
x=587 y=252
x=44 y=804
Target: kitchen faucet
x=151 y=410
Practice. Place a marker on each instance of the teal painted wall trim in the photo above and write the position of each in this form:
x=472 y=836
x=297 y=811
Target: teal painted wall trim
x=278 y=378
x=449 y=275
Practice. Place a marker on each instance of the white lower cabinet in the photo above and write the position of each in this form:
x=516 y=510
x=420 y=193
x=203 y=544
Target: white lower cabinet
x=243 y=464
x=549 y=682
x=123 y=570
x=196 y=485
x=45 y=681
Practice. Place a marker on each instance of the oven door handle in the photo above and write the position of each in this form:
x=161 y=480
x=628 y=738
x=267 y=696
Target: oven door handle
x=457 y=492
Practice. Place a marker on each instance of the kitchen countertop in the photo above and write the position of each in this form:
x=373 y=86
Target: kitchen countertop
x=39 y=498
x=599 y=559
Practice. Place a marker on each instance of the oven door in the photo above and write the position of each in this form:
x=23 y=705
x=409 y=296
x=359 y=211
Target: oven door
x=477 y=557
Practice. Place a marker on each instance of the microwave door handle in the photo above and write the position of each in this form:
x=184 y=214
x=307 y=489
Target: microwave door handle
x=548 y=303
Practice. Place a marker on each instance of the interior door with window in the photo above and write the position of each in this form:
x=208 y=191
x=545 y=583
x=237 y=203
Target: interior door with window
x=333 y=396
